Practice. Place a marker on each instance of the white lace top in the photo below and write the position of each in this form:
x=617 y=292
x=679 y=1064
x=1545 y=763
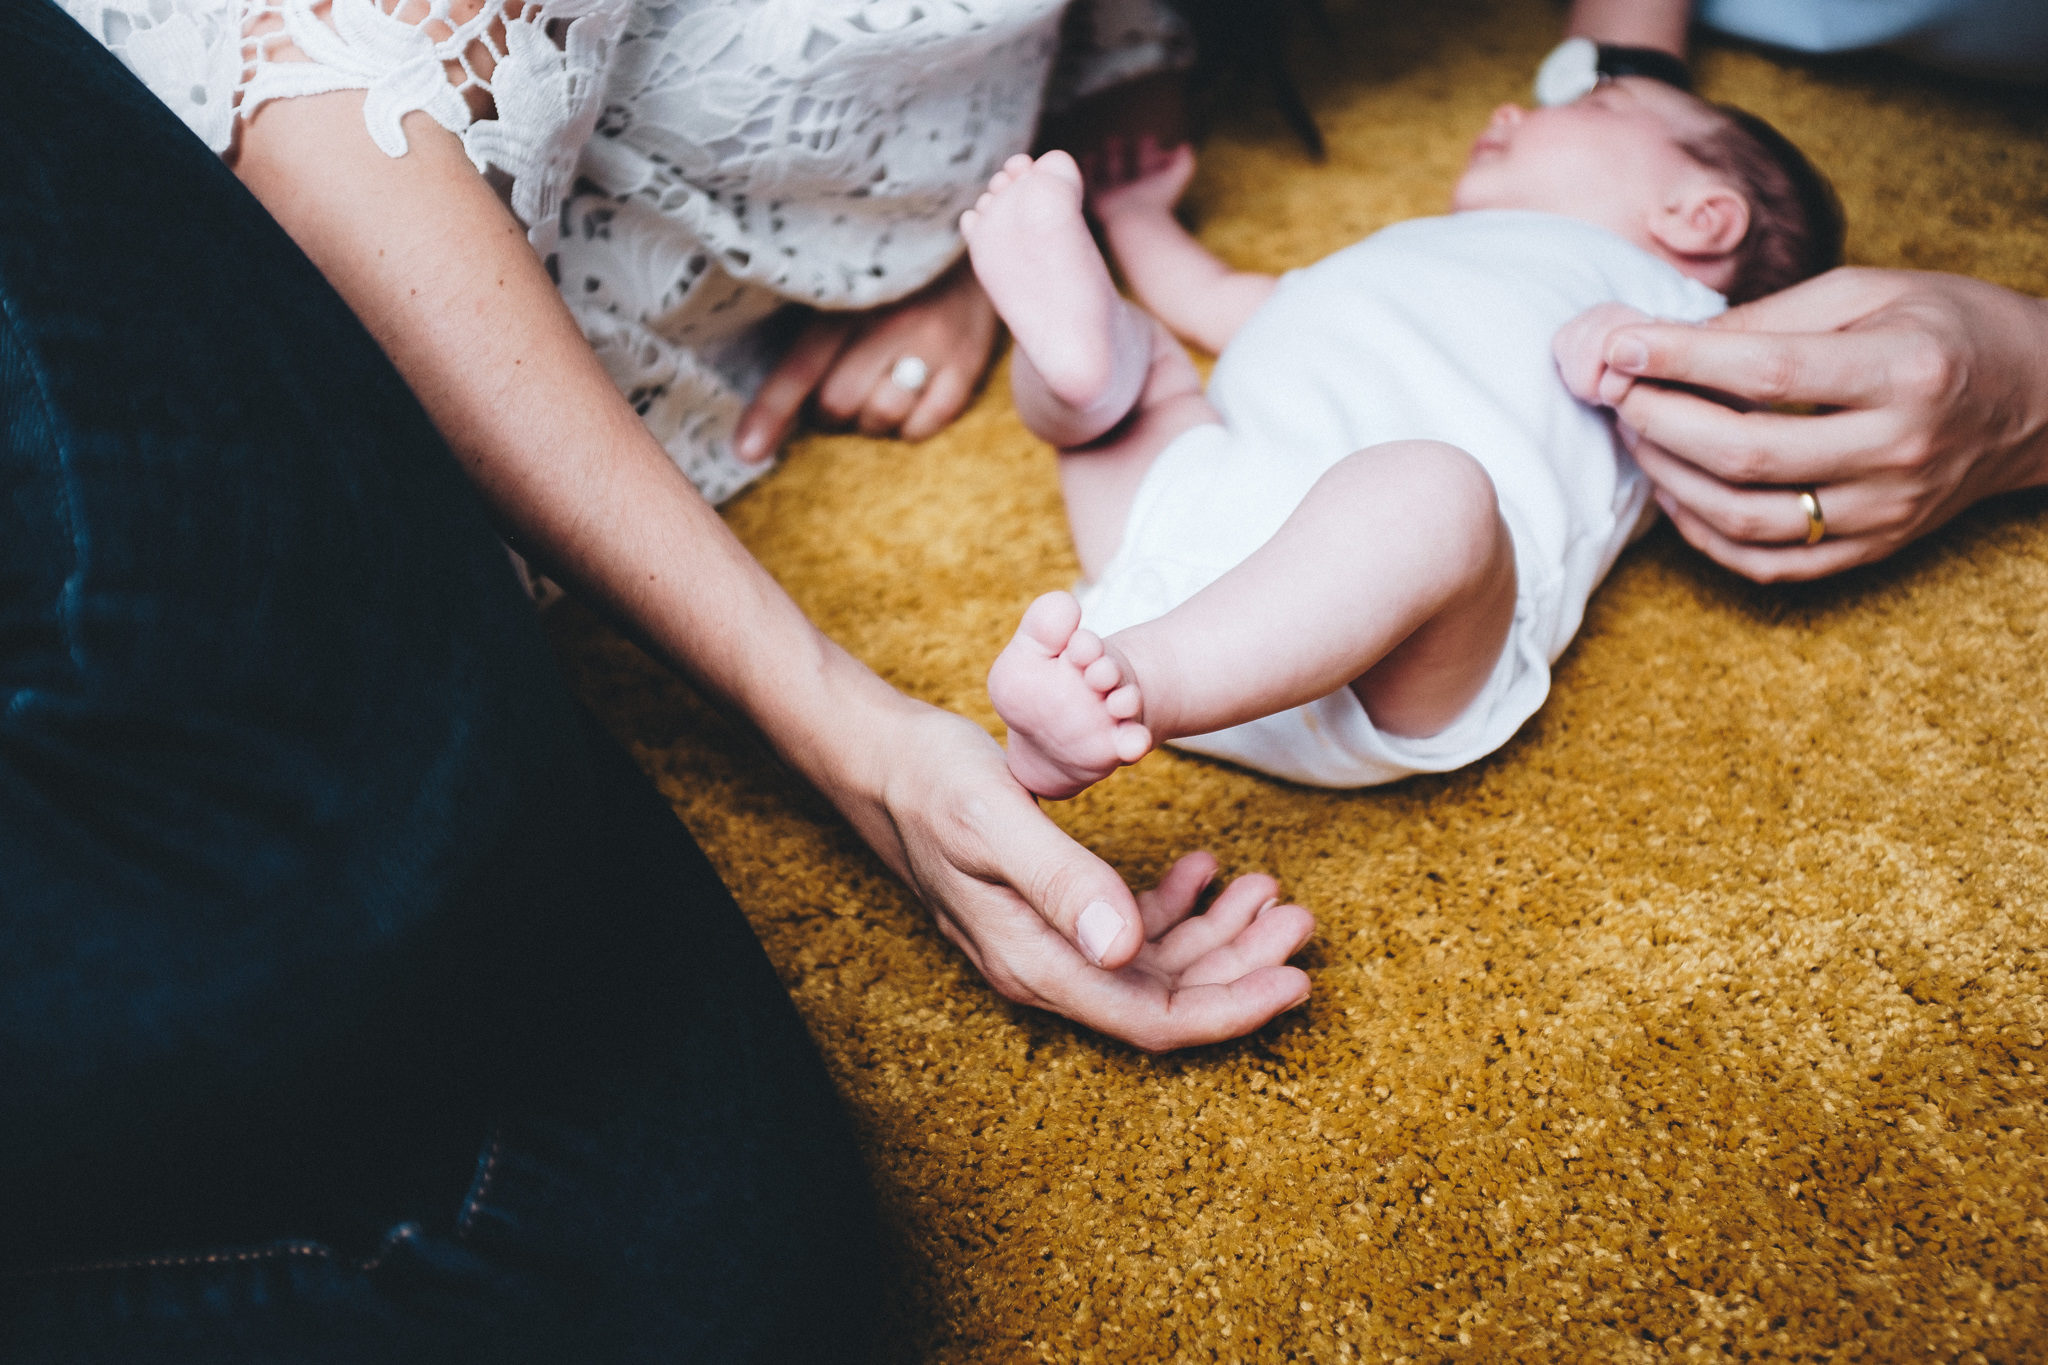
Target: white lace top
x=689 y=166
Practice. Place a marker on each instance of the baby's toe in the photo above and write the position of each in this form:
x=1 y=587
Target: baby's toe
x=1083 y=650
x=1124 y=703
x=1050 y=621
x=1103 y=675
x=1133 y=742
x=1062 y=165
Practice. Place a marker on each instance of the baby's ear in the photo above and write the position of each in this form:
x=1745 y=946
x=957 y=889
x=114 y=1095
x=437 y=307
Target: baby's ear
x=1705 y=221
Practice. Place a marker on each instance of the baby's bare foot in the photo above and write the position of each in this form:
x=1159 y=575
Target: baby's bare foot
x=1033 y=254
x=1070 y=704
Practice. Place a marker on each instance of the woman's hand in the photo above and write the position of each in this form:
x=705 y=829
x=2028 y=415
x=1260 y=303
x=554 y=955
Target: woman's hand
x=844 y=365
x=1915 y=395
x=1051 y=925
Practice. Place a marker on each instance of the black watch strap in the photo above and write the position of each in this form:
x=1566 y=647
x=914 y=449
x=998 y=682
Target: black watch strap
x=1652 y=62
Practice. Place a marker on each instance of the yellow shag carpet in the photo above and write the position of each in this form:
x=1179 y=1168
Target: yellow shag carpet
x=1704 y=1021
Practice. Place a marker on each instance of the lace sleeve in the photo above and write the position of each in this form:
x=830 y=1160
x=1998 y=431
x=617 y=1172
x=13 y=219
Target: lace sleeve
x=535 y=68
x=1108 y=42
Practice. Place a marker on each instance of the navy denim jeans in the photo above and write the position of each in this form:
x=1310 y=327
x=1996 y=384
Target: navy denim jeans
x=359 y=1000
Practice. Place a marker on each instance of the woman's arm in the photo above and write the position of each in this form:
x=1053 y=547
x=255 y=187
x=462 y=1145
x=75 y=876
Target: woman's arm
x=1913 y=395
x=442 y=275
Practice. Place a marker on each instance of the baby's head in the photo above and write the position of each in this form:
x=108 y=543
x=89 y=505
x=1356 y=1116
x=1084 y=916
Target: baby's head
x=1717 y=192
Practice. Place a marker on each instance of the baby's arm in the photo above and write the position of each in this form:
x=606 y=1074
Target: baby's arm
x=1199 y=298
x=1581 y=350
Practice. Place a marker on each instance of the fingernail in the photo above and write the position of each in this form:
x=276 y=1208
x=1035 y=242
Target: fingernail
x=1628 y=354
x=1100 y=927
x=748 y=443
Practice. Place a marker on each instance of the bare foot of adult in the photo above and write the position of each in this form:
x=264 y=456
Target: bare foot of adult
x=1033 y=254
x=1071 y=705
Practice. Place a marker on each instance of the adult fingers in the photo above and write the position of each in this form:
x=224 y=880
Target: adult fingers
x=1774 y=563
x=1840 y=298
x=944 y=399
x=1137 y=1008
x=1274 y=935
x=1076 y=893
x=1019 y=954
x=865 y=363
x=1173 y=900
x=1757 y=447
x=888 y=406
x=765 y=424
x=1235 y=907
x=1762 y=515
x=1838 y=369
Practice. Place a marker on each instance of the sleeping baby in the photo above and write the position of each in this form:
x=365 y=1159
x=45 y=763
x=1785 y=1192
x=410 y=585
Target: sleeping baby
x=1356 y=555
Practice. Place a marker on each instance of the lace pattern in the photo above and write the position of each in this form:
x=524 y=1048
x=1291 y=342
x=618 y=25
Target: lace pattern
x=689 y=166
x=539 y=65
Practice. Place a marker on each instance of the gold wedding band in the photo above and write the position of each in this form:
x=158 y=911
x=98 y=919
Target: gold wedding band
x=1816 y=524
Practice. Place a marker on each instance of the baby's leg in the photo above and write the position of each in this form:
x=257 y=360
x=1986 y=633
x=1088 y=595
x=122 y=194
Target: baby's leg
x=1395 y=575
x=1099 y=480
x=1085 y=357
x=1082 y=351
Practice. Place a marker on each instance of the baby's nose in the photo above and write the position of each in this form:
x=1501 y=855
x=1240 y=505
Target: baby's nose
x=1507 y=116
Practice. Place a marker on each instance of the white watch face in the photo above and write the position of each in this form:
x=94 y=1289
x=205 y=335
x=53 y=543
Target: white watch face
x=1571 y=69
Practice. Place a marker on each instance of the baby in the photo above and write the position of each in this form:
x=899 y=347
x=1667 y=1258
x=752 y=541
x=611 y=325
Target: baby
x=1356 y=556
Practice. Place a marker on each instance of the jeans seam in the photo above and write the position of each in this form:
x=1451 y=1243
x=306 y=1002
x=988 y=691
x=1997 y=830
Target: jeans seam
x=277 y=1251
x=486 y=1169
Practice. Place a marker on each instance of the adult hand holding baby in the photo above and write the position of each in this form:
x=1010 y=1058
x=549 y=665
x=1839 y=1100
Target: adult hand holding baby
x=1923 y=395
x=1041 y=918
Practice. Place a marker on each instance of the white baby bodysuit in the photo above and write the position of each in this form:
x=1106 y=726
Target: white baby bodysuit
x=1440 y=329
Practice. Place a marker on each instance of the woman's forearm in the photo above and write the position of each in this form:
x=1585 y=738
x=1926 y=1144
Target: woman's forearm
x=443 y=276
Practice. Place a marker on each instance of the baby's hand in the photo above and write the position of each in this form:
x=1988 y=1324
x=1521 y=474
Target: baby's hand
x=1581 y=350
x=1144 y=178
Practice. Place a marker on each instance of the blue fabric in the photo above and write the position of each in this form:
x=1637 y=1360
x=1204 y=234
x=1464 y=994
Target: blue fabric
x=357 y=997
x=1987 y=37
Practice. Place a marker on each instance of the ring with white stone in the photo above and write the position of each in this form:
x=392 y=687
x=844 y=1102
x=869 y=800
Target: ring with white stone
x=910 y=374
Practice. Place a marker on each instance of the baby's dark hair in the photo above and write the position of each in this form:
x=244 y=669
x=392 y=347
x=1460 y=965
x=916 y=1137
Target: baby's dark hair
x=1795 y=220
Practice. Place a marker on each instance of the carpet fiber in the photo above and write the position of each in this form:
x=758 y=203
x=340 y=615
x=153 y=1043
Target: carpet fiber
x=1705 y=1020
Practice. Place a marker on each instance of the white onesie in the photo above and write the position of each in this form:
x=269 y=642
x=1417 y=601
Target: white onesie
x=1437 y=328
